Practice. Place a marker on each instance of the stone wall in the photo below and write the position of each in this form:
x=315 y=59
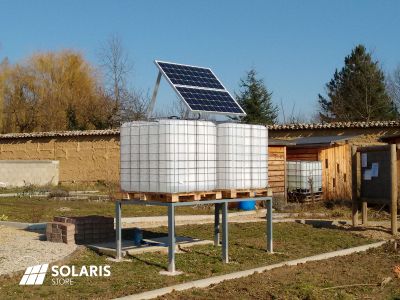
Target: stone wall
x=81 y=158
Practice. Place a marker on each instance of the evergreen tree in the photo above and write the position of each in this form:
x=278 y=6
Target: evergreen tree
x=256 y=100
x=357 y=92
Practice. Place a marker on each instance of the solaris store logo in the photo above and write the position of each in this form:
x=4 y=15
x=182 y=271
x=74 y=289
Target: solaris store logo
x=62 y=275
x=34 y=275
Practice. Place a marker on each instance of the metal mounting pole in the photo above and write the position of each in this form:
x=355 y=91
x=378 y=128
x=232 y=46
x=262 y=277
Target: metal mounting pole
x=171 y=238
x=393 y=183
x=216 y=223
x=153 y=98
x=269 y=226
x=118 y=207
x=225 y=257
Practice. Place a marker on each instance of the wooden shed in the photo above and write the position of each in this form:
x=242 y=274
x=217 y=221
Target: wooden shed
x=277 y=167
x=335 y=154
x=333 y=151
x=395 y=139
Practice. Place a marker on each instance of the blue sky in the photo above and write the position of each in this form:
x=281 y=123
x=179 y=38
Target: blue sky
x=294 y=45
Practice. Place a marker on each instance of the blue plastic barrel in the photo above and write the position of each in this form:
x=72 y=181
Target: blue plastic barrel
x=137 y=236
x=247 y=205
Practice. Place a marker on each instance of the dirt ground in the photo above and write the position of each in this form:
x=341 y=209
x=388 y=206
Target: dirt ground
x=367 y=275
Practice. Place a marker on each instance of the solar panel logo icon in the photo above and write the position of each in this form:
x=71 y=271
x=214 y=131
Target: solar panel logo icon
x=34 y=275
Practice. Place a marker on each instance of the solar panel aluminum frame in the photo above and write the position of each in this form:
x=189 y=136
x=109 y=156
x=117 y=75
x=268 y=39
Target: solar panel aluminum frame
x=156 y=62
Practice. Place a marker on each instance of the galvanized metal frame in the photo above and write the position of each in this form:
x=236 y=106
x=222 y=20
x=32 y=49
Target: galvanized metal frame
x=220 y=205
x=150 y=108
x=197 y=87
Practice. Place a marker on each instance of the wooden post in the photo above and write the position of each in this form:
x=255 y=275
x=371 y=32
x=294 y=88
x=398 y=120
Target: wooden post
x=285 y=174
x=356 y=168
x=364 y=213
x=393 y=196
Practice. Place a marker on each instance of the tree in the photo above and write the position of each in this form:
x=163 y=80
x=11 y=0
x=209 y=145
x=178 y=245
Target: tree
x=3 y=74
x=393 y=86
x=256 y=100
x=357 y=92
x=128 y=103
x=53 y=91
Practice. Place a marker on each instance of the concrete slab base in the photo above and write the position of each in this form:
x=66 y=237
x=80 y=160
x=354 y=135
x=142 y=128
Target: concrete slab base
x=159 y=244
x=167 y=273
x=118 y=260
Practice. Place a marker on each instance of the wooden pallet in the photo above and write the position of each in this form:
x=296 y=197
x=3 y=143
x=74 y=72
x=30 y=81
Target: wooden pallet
x=305 y=198
x=174 y=197
x=245 y=193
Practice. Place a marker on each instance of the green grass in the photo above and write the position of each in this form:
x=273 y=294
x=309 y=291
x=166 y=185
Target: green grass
x=141 y=273
x=357 y=276
x=42 y=209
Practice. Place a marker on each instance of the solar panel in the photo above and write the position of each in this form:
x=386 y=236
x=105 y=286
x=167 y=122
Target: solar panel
x=209 y=100
x=200 y=89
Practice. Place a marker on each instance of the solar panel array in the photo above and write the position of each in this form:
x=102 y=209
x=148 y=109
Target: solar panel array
x=200 y=89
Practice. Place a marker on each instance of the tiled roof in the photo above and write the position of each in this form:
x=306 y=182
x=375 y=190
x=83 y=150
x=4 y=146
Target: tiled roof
x=277 y=127
x=60 y=134
x=335 y=125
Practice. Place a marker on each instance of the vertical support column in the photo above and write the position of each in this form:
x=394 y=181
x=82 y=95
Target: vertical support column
x=216 y=224
x=118 y=237
x=225 y=255
x=269 y=226
x=171 y=238
x=365 y=213
x=393 y=196
x=355 y=170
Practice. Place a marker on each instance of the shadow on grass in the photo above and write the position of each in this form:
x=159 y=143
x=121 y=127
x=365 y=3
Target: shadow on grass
x=333 y=225
x=149 y=263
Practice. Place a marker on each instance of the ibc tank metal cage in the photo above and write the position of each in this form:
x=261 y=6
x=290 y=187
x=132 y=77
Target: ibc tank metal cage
x=304 y=180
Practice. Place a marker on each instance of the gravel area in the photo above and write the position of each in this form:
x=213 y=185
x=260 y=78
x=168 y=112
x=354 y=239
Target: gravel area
x=20 y=249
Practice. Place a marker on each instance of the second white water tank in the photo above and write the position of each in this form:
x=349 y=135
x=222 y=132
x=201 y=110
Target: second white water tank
x=242 y=157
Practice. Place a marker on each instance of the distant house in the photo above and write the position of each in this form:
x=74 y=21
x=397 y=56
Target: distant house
x=330 y=144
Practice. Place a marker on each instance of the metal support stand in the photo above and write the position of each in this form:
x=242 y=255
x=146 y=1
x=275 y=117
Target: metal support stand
x=171 y=239
x=118 y=207
x=225 y=256
x=216 y=224
x=221 y=204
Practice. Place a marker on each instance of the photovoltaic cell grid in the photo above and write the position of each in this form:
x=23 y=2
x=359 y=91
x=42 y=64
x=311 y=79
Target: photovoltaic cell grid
x=209 y=100
x=200 y=88
x=191 y=76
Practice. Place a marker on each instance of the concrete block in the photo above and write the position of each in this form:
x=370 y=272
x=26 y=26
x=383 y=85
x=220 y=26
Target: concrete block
x=22 y=172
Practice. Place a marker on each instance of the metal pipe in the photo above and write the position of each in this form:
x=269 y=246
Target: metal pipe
x=216 y=224
x=171 y=238
x=153 y=98
x=269 y=226
x=118 y=208
x=225 y=255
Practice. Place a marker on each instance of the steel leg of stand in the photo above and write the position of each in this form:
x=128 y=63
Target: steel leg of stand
x=225 y=257
x=118 y=237
x=269 y=226
x=216 y=223
x=171 y=239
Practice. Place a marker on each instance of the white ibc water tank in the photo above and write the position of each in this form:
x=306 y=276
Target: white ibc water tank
x=304 y=176
x=242 y=158
x=168 y=156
